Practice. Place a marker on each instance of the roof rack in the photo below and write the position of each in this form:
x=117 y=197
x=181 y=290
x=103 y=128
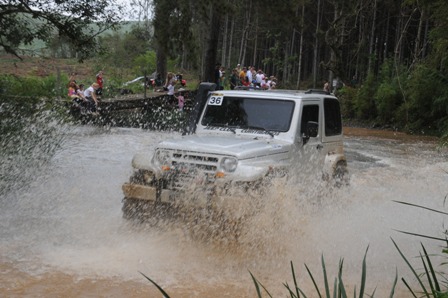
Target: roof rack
x=316 y=91
x=247 y=88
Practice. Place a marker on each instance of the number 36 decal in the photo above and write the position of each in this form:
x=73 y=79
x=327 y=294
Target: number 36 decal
x=215 y=100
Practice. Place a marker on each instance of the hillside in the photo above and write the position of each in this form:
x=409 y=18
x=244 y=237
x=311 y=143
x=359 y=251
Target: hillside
x=42 y=67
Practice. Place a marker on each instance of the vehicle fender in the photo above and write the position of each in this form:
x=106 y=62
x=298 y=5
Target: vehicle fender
x=331 y=160
x=143 y=161
x=247 y=173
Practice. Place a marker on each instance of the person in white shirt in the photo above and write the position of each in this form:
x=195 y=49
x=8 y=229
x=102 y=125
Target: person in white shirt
x=171 y=98
x=259 y=77
x=90 y=95
x=249 y=74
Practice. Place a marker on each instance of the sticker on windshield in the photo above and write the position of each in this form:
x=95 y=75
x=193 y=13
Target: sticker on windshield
x=215 y=100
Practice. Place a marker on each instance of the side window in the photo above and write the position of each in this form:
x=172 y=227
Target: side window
x=332 y=112
x=309 y=113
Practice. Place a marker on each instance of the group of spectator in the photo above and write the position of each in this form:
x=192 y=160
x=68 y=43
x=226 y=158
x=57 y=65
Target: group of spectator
x=244 y=76
x=169 y=86
x=87 y=99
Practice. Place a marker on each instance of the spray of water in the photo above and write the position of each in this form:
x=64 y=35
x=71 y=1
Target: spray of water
x=61 y=211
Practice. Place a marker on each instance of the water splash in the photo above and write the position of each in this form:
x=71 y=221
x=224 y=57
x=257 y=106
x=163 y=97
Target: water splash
x=68 y=217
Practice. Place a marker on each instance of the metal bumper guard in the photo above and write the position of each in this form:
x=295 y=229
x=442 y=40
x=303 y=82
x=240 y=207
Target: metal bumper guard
x=143 y=192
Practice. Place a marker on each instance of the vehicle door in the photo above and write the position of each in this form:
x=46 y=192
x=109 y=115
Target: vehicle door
x=332 y=126
x=312 y=153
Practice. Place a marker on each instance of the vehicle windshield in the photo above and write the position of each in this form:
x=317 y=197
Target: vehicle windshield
x=240 y=112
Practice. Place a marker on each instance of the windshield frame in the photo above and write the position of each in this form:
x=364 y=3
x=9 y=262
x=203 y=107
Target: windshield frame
x=253 y=118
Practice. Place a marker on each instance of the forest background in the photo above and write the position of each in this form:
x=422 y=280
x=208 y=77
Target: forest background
x=386 y=59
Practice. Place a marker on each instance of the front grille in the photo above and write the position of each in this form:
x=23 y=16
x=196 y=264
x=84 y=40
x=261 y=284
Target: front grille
x=191 y=170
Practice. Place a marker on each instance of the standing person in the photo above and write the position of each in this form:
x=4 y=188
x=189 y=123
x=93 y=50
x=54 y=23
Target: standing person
x=259 y=78
x=92 y=100
x=327 y=87
x=180 y=101
x=222 y=77
x=243 y=75
x=170 y=93
x=99 y=81
x=168 y=81
x=254 y=74
x=217 y=76
x=249 y=74
x=263 y=83
x=234 y=79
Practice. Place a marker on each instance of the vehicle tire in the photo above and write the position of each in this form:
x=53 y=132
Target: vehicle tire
x=141 y=211
x=340 y=174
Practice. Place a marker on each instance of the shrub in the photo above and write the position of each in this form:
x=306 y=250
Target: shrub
x=347 y=96
x=364 y=104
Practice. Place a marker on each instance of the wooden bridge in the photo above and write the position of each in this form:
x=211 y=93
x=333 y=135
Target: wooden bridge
x=155 y=111
x=144 y=102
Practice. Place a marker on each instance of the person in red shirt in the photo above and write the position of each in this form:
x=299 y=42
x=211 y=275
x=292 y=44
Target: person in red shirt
x=99 y=81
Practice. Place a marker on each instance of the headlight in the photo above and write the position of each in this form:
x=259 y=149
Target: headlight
x=162 y=157
x=229 y=164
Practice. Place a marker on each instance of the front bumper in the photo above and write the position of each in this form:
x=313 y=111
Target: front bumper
x=143 y=192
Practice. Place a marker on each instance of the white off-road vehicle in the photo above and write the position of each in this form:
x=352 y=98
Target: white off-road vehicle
x=235 y=138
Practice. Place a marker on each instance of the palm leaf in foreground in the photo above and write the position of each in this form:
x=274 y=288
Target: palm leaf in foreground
x=165 y=295
x=413 y=271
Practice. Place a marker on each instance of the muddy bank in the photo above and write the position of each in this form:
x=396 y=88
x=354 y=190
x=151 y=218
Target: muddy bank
x=386 y=134
x=17 y=283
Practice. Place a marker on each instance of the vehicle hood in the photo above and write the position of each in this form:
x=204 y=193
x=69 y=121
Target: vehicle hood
x=241 y=148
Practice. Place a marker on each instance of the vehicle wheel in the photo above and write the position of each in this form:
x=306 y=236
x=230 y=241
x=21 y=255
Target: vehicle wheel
x=340 y=174
x=141 y=211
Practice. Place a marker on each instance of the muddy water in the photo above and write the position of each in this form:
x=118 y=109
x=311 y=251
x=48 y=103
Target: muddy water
x=62 y=234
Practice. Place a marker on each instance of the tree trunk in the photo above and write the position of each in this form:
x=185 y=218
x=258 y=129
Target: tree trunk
x=372 y=38
x=212 y=45
x=229 y=55
x=316 y=45
x=161 y=63
x=224 y=40
x=161 y=36
x=285 y=62
x=417 y=48
x=254 y=58
x=245 y=35
x=302 y=28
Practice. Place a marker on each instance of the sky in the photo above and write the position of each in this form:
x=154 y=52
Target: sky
x=132 y=8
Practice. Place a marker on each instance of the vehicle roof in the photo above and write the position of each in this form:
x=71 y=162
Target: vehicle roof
x=275 y=93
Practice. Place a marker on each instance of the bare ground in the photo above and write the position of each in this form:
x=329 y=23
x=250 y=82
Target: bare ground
x=43 y=67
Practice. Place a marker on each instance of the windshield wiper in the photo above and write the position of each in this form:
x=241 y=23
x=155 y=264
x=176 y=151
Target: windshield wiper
x=258 y=128
x=232 y=129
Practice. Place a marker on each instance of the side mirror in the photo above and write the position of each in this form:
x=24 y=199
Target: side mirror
x=311 y=131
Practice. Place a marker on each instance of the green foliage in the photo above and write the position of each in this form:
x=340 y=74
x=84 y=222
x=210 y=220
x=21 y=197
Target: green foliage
x=24 y=22
x=388 y=96
x=428 y=100
x=123 y=48
x=339 y=289
x=144 y=63
x=387 y=99
x=347 y=96
x=430 y=281
x=364 y=104
x=36 y=87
